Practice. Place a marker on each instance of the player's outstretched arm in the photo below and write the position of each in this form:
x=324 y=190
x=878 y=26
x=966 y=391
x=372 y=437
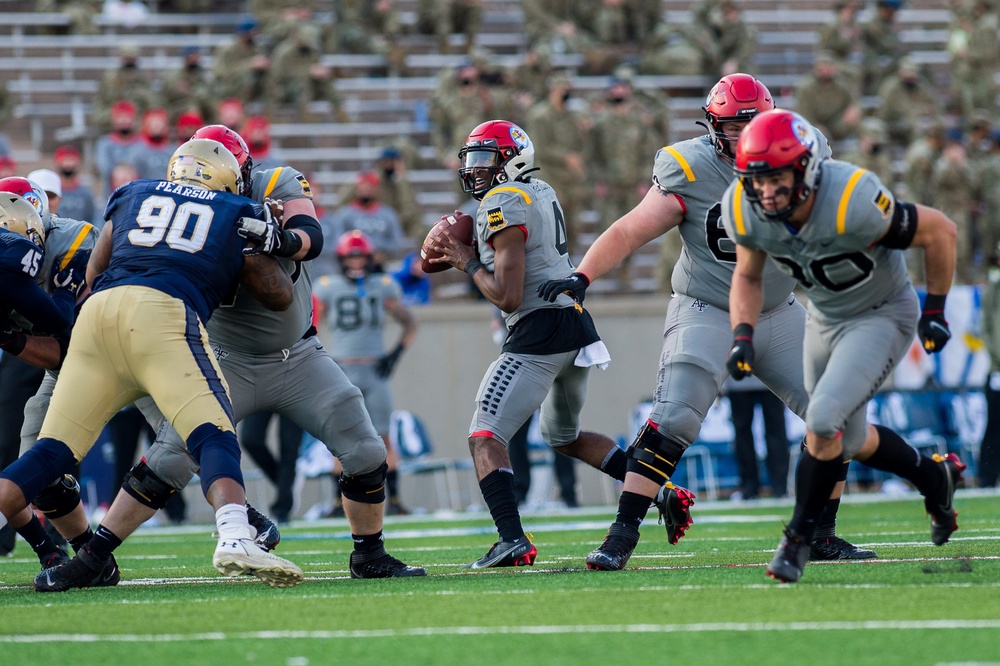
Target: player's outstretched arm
x=746 y=295
x=267 y=281
x=937 y=234
x=655 y=215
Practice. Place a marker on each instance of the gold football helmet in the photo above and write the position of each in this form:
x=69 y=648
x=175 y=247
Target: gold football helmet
x=19 y=216
x=205 y=163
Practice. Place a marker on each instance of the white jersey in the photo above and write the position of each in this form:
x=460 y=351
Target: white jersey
x=835 y=256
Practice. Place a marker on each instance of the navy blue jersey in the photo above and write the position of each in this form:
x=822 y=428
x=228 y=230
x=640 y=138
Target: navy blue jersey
x=177 y=239
x=20 y=262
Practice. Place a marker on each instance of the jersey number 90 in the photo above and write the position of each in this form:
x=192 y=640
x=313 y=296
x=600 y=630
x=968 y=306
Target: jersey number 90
x=184 y=227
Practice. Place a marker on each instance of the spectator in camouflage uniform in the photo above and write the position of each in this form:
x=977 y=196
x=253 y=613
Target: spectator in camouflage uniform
x=989 y=181
x=240 y=67
x=445 y=17
x=921 y=158
x=459 y=103
x=827 y=102
x=672 y=52
x=880 y=46
x=189 y=88
x=736 y=40
x=297 y=76
x=560 y=147
x=126 y=81
x=954 y=185
x=975 y=57
x=905 y=98
x=841 y=38
x=872 y=151
x=397 y=192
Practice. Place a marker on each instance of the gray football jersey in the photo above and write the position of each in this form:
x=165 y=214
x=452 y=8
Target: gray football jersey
x=693 y=171
x=66 y=241
x=354 y=312
x=533 y=206
x=242 y=323
x=834 y=256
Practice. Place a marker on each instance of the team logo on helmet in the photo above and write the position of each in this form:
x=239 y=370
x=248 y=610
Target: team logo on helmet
x=802 y=133
x=33 y=199
x=518 y=136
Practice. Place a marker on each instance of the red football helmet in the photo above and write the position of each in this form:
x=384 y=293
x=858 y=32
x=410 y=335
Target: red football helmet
x=497 y=151
x=29 y=191
x=734 y=98
x=355 y=244
x=236 y=145
x=774 y=141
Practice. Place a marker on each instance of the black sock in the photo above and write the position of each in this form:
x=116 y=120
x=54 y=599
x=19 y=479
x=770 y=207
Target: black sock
x=392 y=485
x=896 y=456
x=368 y=544
x=103 y=543
x=80 y=541
x=814 y=481
x=615 y=464
x=632 y=508
x=498 y=491
x=827 y=525
x=35 y=535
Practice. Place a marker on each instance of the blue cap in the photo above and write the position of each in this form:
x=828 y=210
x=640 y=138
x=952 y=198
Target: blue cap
x=390 y=153
x=246 y=25
x=190 y=50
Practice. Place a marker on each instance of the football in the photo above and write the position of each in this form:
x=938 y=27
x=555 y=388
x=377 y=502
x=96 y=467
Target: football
x=459 y=225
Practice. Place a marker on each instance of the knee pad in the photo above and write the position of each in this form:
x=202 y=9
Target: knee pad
x=40 y=465
x=368 y=488
x=217 y=452
x=358 y=447
x=59 y=498
x=825 y=416
x=146 y=488
x=654 y=455
x=682 y=422
x=173 y=465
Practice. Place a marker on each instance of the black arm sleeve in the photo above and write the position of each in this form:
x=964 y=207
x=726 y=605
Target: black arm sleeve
x=903 y=227
x=310 y=225
x=47 y=315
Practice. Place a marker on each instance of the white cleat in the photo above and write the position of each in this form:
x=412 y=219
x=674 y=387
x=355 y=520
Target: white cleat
x=234 y=557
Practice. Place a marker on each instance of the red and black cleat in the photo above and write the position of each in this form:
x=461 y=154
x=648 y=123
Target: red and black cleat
x=674 y=505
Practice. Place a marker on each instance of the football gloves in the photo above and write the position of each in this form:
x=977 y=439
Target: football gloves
x=739 y=363
x=575 y=286
x=386 y=364
x=71 y=280
x=932 y=329
x=12 y=341
x=267 y=236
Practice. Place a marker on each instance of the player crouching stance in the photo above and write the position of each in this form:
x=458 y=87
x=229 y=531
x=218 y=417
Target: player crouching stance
x=840 y=232
x=169 y=253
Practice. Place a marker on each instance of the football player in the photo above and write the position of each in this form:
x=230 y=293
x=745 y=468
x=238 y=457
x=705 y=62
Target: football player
x=838 y=231
x=169 y=253
x=520 y=241
x=689 y=179
x=354 y=304
x=272 y=361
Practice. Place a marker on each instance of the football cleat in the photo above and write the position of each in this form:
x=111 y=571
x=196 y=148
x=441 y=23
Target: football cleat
x=56 y=558
x=381 y=565
x=789 y=559
x=84 y=570
x=835 y=548
x=517 y=553
x=268 y=536
x=944 y=518
x=674 y=506
x=614 y=553
x=235 y=557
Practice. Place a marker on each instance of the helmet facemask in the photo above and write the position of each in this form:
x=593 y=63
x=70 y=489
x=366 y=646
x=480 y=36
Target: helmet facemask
x=797 y=195
x=481 y=168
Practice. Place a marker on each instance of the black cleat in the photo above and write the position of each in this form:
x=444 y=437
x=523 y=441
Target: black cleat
x=613 y=554
x=84 y=570
x=268 y=536
x=56 y=558
x=944 y=518
x=835 y=548
x=790 y=558
x=517 y=553
x=382 y=565
x=674 y=505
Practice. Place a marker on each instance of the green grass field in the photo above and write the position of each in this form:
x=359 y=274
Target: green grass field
x=705 y=601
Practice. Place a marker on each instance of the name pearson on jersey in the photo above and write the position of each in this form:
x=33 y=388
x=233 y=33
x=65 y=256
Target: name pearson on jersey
x=186 y=191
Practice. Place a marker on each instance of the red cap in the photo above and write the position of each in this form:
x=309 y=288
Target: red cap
x=189 y=119
x=123 y=106
x=66 y=151
x=367 y=177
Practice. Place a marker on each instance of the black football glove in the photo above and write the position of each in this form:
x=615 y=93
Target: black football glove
x=12 y=341
x=739 y=363
x=71 y=280
x=267 y=236
x=575 y=286
x=932 y=329
x=385 y=365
